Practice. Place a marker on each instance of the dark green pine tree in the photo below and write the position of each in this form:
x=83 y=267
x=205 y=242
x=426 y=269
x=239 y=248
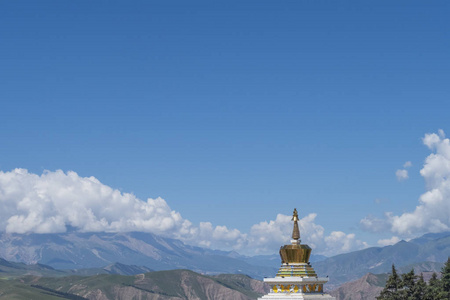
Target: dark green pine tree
x=420 y=289
x=433 y=288
x=392 y=289
x=408 y=285
x=444 y=292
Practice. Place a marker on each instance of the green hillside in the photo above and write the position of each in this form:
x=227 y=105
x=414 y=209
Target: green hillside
x=16 y=290
x=162 y=285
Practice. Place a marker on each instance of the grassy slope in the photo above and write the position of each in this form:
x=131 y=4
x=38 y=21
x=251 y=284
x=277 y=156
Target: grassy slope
x=164 y=284
x=15 y=290
x=77 y=284
x=241 y=283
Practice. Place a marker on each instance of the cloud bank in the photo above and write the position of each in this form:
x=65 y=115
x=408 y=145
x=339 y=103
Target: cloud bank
x=432 y=214
x=54 y=201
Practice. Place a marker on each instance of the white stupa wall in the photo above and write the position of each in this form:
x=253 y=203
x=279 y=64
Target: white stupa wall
x=296 y=288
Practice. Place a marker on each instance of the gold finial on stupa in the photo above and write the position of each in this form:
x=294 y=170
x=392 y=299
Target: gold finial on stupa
x=296 y=231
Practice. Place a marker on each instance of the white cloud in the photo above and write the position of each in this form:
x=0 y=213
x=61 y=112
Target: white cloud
x=273 y=234
x=340 y=242
x=54 y=200
x=387 y=242
x=51 y=202
x=401 y=175
x=373 y=224
x=432 y=214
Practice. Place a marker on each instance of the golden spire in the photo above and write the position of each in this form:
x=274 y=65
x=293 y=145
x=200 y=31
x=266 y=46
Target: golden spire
x=296 y=231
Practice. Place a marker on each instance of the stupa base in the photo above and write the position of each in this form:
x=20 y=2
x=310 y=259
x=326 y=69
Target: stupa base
x=308 y=288
x=297 y=296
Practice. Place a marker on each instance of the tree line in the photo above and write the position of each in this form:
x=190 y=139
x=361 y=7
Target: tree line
x=410 y=286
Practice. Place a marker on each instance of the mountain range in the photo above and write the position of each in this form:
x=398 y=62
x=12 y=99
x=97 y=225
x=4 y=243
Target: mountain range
x=119 y=265
x=426 y=253
x=96 y=250
x=21 y=281
x=136 y=252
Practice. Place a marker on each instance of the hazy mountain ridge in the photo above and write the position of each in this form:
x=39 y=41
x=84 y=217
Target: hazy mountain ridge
x=427 y=251
x=14 y=269
x=95 y=250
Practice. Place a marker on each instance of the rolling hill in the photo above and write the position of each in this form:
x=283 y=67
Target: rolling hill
x=162 y=285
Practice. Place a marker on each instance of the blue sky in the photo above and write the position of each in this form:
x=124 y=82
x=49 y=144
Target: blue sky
x=232 y=111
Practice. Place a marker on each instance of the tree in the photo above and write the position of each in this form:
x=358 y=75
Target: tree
x=433 y=288
x=412 y=287
x=420 y=289
x=444 y=292
x=393 y=285
x=408 y=285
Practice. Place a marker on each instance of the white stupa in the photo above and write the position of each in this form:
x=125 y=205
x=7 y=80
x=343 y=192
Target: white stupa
x=296 y=278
